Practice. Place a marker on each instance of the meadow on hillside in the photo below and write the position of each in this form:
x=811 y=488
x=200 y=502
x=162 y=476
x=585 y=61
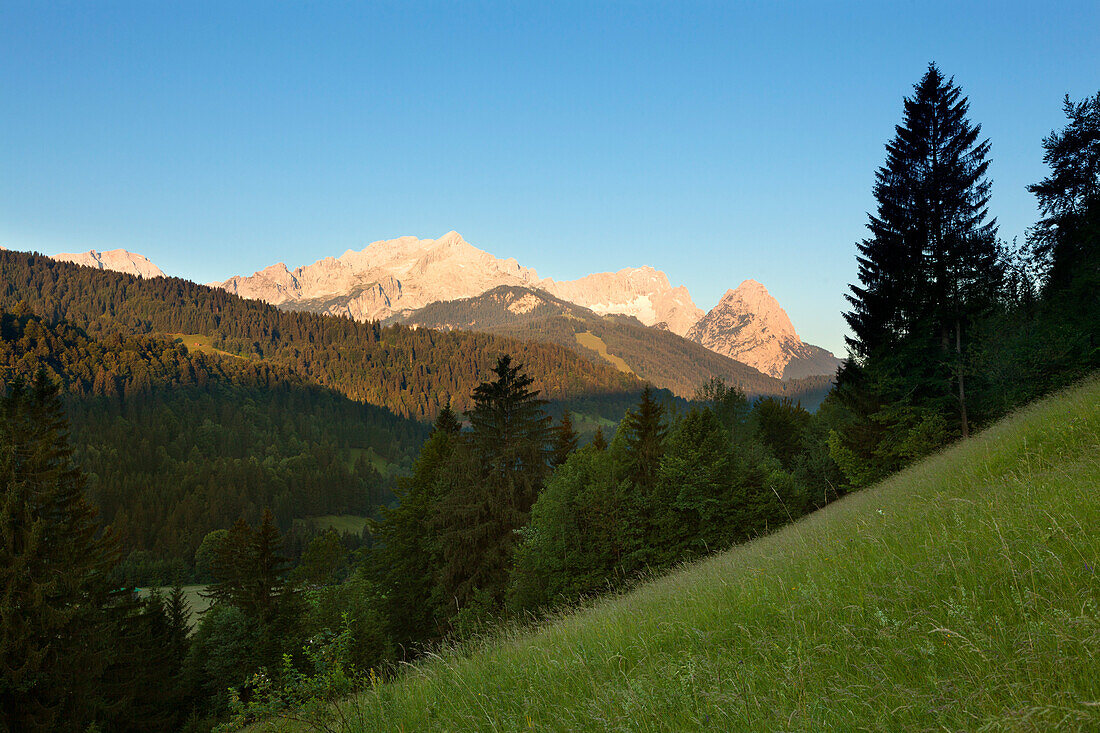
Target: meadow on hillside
x=961 y=594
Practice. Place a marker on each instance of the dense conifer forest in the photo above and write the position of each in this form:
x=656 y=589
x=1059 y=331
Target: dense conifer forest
x=177 y=444
x=951 y=327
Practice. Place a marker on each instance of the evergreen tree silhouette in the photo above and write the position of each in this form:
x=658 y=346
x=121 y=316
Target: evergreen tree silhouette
x=57 y=615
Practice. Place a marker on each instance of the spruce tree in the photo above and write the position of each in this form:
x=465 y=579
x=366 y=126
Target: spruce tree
x=929 y=270
x=1064 y=240
x=509 y=432
x=1048 y=332
x=645 y=429
x=489 y=498
x=250 y=570
x=729 y=404
x=599 y=442
x=57 y=614
x=1067 y=240
x=648 y=508
x=564 y=440
x=144 y=680
x=447 y=421
x=231 y=566
x=406 y=559
x=250 y=575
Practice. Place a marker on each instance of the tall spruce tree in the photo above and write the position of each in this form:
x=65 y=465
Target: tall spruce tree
x=931 y=264
x=250 y=574
x=645 y=429
x=564 y=440
x=57 y=613
x=930 y=268
x=508 y=459
x=250 y=570
x=1065 y=239
x=647 y=507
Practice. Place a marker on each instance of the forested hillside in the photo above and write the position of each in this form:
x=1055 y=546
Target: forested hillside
x=658 y=356
x=411 y=372
x=177 y=444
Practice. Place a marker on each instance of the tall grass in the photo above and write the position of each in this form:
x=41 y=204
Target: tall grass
x=961 y=594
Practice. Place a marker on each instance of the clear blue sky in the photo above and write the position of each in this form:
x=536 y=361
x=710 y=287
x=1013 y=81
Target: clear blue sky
x=714 y=141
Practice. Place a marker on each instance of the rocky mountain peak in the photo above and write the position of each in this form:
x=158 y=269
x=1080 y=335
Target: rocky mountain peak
x=751 y=298
x=642 y=292
x=749 y=325
x=391 y=279
x=386 y=278
x=118 y=260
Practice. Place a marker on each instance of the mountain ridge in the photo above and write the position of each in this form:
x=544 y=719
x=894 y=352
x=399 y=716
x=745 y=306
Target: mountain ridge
x=661 y=357
x=394 y=278
x=390 y=280
x=400 y=275
x=118 y=260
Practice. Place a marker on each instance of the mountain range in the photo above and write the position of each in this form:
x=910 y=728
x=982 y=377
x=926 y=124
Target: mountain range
x=118 y=260
x=655 y=355
x=404 y=280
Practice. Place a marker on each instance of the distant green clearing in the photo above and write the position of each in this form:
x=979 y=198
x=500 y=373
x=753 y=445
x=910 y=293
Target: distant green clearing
x=586 y=424
x=198 y=342
x=196 y=602
x=384 y=467
x=340 y=522
x=591 y=341
x=961 y=594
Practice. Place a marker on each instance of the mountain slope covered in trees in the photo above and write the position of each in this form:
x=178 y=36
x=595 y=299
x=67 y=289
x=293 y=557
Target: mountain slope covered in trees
x=411 y=372
x=178 y=444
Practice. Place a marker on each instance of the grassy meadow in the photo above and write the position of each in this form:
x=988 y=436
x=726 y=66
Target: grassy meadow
x=590 y=340
x=197 y=603
x=199 y=342
x=342 y=523
x=961 y=594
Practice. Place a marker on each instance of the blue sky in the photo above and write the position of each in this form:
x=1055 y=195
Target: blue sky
x=714 y=141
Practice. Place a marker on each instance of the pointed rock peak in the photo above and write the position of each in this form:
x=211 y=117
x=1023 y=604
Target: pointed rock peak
x=754 y=295
x=748 y=288
x=450 y=240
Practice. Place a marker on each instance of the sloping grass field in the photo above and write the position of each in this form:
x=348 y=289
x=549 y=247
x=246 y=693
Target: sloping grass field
x=962 y=594
x=590 y=340
x=199 y=342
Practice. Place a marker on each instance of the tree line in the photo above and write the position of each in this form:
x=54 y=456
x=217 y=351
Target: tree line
x=951 y=327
